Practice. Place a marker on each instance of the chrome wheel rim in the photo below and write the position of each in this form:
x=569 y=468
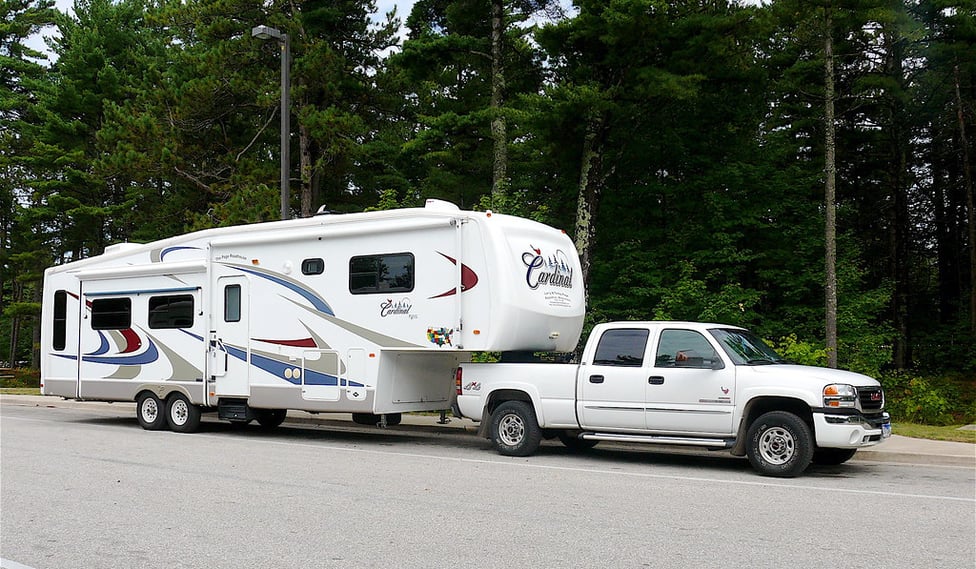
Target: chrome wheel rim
x=776 y=445
x=179 y=412
x=511 y=430
x=149 y=410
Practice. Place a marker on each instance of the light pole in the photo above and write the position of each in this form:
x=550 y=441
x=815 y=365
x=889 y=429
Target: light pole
x=265 y=33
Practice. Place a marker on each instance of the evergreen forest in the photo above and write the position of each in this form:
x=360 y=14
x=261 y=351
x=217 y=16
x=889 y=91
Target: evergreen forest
x=800 y=167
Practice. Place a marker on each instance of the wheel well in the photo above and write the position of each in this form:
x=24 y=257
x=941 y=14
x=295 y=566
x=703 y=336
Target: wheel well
x=503 y=395
x=495 y=399
x=762 y=405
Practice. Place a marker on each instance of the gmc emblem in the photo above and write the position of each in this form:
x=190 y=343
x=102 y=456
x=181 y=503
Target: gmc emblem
x=876 y=396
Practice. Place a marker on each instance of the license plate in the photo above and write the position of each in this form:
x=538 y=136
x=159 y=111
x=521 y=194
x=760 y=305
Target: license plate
x=885 y=430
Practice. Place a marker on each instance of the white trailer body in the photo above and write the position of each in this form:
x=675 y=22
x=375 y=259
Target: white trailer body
x=365 y=313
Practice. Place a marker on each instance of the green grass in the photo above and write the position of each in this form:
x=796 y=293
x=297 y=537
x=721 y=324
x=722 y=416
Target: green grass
x=935 y=433
x=20 y=391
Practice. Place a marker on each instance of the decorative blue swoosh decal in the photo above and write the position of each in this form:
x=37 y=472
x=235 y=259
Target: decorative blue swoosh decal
x=168 y=250
x=277 y=369
x=191 y=334
x=317 y=301
x=150 y=355
x=103 y=348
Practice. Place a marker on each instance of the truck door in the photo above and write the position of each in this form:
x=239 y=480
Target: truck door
x=690 y=389
x=612 y=387
x=230 y=342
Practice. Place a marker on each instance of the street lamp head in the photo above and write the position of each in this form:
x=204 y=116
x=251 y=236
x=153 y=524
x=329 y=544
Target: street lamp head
x=265 y=33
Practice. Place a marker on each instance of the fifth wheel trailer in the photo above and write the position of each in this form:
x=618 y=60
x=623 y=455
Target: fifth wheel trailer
x=365 y=313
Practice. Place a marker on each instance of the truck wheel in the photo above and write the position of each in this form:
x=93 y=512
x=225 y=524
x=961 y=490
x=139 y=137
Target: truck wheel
x=779 y=444
x=149 y=411
x=270 y=418
x=573 y=442
x=183 y=416
x=832 y=456
x=514 y=429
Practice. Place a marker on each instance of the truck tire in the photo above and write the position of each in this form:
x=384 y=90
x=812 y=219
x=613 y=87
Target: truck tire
x=150 y=412
x=183 y=416
x=832 y=456
x=270 y=418
x=514 y=429
x=574 y=443
x=779 y=444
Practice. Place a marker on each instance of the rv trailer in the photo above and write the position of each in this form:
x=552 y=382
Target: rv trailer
x=365 y=313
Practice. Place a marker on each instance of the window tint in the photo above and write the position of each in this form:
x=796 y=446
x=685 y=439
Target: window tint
x=111 y=314
x=684 y=348
x=174 y=311
x=60 y=320
x=232 y=303
x=621 y=348
x=381 y=273
x=313 y=267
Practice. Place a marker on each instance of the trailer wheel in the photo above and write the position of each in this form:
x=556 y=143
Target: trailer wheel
x=514 y=429
x=779 y=444
x=149 y=411
x=270 y=418
x=183 y=416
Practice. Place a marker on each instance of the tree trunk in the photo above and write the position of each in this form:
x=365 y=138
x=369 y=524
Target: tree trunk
x=899 y=218
x=590 y=187
x=830 y=191
x=499 y=135
x=971 y=220
x=305 y=151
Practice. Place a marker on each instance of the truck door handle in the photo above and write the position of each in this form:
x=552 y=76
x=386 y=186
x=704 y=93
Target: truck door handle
x=596 y=379
x=656 y=380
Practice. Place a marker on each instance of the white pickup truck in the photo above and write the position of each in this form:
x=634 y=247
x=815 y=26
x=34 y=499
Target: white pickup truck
x=678 y=383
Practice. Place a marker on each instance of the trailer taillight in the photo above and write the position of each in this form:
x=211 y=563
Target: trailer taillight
x=457 y=381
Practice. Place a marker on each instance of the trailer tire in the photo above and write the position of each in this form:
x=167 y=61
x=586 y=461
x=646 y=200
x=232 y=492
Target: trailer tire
x=779 y=444
x=514 y=429
x=832 y=456
x=183 y=416
x=150 y=412
x=270 y=418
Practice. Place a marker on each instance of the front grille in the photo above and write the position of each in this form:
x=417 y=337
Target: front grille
x=871 y=398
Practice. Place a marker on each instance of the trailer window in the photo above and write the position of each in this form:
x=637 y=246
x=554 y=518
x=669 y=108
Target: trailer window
x=174 y=311
x=232 y=303
x=313 y=267
x=111 y=313
x=621 y=347
x=381 y=273
x=60 y=320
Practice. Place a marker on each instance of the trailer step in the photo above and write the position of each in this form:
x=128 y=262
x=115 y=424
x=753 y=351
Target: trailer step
x=234 y=410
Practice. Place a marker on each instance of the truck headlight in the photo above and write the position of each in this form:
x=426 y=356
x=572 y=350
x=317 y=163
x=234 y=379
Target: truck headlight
x=839 y=395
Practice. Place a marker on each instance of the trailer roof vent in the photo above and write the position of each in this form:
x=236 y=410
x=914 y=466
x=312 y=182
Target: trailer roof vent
x=441 y=205
x=323 y=210
x=120 y=247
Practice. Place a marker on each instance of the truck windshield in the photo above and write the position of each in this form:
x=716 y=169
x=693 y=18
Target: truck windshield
x=745 y=348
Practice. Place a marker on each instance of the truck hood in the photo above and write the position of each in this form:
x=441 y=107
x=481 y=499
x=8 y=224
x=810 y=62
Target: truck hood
x=789 y=372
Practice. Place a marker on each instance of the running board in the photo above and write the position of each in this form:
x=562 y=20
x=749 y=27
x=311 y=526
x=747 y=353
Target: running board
x=660 y=440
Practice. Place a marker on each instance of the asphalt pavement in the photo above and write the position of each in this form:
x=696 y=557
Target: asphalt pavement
x=896 y=449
